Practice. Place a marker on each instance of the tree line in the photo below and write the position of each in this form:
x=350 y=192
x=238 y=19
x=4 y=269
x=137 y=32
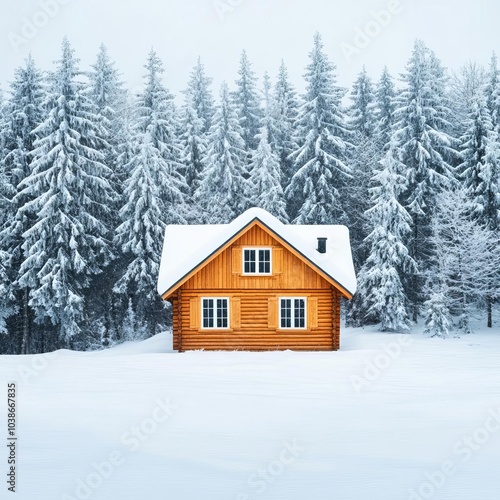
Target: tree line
x=90 y=175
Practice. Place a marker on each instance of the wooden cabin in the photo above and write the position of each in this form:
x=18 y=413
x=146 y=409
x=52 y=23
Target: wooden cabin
x=256 y=284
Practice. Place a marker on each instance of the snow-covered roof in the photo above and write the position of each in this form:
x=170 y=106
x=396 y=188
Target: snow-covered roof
x=186 y=247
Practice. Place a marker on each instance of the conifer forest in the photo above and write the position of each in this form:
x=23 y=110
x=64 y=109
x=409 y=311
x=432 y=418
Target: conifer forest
x=91 y=173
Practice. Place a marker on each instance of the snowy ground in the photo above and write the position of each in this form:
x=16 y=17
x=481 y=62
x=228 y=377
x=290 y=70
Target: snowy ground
x=136 y=422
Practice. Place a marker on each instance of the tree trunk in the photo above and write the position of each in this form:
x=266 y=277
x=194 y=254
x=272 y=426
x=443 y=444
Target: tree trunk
x=489 y=308
x=25 y=346
x=414 y=281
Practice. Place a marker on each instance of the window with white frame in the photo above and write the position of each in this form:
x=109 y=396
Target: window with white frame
x=214 y=313
x=256 y=261
x=292 y=312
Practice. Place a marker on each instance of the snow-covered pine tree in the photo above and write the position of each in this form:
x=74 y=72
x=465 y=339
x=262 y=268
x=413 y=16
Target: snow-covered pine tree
x=492 y=90
x=320 y=164
x=7 y=305
x=363 y=159
x=109 y=98
x=247 y=101
x=265 y=179
x=362 y=109
x=7 y=302
x=473 y=149
x=198 y=92
x=68 y=242
x=423 y=146
x=283 y=141
x=437 y=323
x=223 y=192
x=437 y=306
x=132 y=328
x=194 y=145
x=385 y=106
x=268 y=108
x=464 y=88
x=108 y=95
x=3 y=126
x=381 y=295
x=152 y=197
x=157 y=115
x=24 y=113
x=6 y=189
x=105 y=88
x=488 y=190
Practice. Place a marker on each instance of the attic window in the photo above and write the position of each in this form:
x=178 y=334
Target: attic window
x=257 y=261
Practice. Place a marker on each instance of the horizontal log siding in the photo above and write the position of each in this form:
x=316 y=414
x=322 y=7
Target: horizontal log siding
x=254 y=333
x=175 y=323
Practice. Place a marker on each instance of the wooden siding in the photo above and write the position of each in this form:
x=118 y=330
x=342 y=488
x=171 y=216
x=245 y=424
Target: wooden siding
x=253 y=303
x=288 y=271
x=252 y=327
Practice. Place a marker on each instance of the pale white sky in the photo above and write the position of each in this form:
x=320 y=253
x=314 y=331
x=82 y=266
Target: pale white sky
x=218 y=30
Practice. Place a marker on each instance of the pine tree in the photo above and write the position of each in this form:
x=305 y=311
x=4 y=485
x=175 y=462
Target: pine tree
x=320 y=158
x=193 y=144
x=157 y=115
x=385 y=107
x=268 y=111
x=68 y=242
x=437 y=315
x=3 y=125
x=108 y=96
x=488 y=190
x=424 y=147
x=363 y=158
x=362 y=109
x=246 y=98
x=284 y=113
x=153 y=197
x=149 y=202
x=381 y=293
x=265 y=179
x=464 y=89
x=200 y=96
x=25 y=113
x=131 y=327
x=7 y=303
x=492 y=90
x=473 y=149
x=6 y=189
x=106 y=92
x=223 y=190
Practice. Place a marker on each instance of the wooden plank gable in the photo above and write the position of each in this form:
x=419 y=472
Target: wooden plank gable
x=222 y=269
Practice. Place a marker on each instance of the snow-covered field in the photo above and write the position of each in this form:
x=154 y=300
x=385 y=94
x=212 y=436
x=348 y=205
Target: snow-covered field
x=389 y=417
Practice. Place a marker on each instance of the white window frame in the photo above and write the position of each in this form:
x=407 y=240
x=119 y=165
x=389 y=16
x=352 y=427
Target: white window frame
x=256 y=273
x=292 y=314
x=214 y=308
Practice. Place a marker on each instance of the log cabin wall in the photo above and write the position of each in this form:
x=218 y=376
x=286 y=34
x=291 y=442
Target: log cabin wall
x=254 y=302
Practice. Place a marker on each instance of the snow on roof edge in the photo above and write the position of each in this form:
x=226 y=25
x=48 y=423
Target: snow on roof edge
x=194 y=244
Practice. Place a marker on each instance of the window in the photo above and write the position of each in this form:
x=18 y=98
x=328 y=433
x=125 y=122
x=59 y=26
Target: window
x=257 y=261
x=214 y=313
x=293 y=312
